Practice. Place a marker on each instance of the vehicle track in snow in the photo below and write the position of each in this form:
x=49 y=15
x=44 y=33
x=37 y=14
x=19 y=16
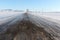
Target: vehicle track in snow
x=29 y=31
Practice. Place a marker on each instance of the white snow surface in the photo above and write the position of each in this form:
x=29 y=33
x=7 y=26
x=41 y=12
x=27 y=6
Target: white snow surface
x=8 y=16
x=54 y=17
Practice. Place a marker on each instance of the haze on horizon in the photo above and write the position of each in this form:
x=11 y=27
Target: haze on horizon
x=41 y=5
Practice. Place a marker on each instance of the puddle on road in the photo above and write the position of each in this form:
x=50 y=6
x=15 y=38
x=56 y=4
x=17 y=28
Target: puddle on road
x=29 y=31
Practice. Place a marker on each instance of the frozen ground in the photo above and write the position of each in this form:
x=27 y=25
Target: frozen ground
x=50 y=26
x=54 y=17
x=49 y=21
x=8 y=16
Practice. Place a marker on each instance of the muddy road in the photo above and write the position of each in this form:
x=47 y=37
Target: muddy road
x=29 y=27
x=29 y=31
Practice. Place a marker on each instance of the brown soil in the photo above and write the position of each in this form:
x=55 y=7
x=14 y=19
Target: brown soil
x=29 y=31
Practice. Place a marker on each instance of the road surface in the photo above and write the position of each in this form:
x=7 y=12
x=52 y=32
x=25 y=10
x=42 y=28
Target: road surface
x=15 y=28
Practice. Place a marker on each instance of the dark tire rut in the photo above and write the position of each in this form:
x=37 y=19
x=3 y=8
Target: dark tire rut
x=29 y=31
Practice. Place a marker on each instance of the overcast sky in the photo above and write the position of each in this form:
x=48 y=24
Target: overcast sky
x=41 y=5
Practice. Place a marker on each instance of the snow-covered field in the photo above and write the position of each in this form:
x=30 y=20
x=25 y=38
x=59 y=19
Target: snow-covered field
x=8 y=16
x=49 y=21
x=54 y=17
x=51 y=25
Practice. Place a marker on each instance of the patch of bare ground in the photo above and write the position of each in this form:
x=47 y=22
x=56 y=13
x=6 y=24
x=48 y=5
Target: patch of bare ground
x=29 y=31
x=25 y=30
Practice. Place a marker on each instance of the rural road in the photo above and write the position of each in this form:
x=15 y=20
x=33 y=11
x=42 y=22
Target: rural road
x=10 y=28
